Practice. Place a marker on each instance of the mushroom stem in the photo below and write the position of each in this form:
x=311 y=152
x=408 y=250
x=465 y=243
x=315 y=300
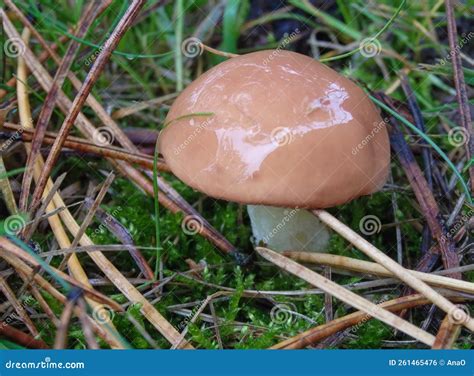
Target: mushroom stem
x=284 y=229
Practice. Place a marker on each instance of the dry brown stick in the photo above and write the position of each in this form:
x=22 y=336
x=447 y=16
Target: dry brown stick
x=367 y=267
x=86 y=324
x=460 y=84
x=82 y=95
x=24 y=271
x=425 y=198
x=447 y=334
x=7 y=246
x=10 y=295
x=89 y=15
x=75 y=267
x=313 y=335
x=399 y=271
x=120 y=281
x=346 y=296
x=89 y=217
x=86 y=146
x=61 y=334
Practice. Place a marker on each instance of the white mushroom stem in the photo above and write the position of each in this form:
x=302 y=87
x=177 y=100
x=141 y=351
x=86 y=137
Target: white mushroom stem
x=284 y=229
x=457 y=315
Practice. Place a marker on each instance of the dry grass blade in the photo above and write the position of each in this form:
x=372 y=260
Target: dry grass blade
x=4 y=182
x=346 y=296
x=19 y=309
x=366 y=267
x=61 y=334
x=6 y=189
x=82 y=95
x=86 y=324
x=43 y=304
x=121 y=233
x=313 y=335
x=424 y=195
x=86 y=20
x=25 y=271
x=398 y=270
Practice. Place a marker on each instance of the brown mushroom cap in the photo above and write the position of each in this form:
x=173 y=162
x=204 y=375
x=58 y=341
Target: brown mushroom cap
x=285 y=130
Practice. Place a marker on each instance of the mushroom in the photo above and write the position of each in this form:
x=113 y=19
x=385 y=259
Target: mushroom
x=282 y=133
